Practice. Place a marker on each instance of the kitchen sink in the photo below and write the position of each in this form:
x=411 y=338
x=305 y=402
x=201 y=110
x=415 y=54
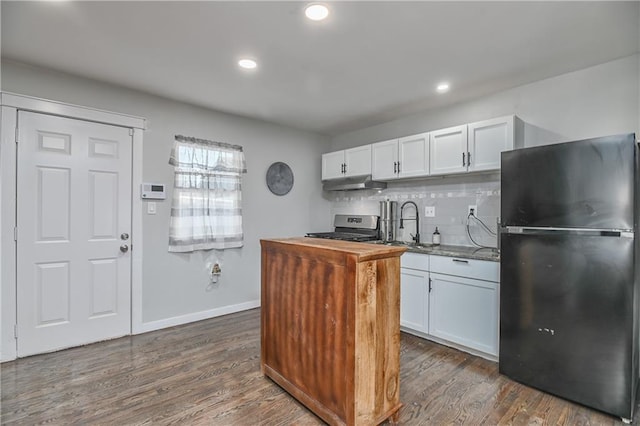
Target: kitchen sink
x=404 y=244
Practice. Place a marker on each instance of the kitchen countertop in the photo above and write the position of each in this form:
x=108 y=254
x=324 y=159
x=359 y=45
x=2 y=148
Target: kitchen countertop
x=449 y=250
x=363 y=252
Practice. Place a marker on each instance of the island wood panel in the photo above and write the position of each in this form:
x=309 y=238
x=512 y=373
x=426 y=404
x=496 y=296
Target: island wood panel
x=330 y=326
x=377 y=341
x=301 y=338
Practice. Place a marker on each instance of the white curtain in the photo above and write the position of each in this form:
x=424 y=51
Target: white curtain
x=206 y=209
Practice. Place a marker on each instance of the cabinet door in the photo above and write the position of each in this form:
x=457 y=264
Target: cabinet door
x=487 y=139
x=414 y=299
x=464 y=311
x=448 y=150
x=384 y=159
x=332 y=163
x=413 y=154
x=358 y=161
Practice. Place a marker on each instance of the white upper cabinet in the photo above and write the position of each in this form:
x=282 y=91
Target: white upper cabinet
x=448 y=148
x=347 y=163
x=487 y=139
x=358 y=161
x=333 y=165
x=473 y=147
x=413 y=154
x=400 y=158
x=384 y=160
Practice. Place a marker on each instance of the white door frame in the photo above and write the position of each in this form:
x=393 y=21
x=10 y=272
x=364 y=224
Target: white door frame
x=11 y=104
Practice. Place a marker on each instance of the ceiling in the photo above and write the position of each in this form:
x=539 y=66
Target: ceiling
x=368 y=63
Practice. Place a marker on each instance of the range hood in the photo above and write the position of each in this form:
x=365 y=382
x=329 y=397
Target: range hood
x=353 y=183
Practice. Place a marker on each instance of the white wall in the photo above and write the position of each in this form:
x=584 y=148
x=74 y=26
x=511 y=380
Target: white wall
x=596 y=101
x=175 y=286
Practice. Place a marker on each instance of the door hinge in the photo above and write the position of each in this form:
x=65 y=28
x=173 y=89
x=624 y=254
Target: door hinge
x=15 y=331
x=15 y=233
x=429 y=285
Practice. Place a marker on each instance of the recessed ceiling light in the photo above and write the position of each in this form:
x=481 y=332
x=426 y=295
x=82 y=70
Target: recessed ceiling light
x=442 y=87
x=316 y=12
x=247 y=63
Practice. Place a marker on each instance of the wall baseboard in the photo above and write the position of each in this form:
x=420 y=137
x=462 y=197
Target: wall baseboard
x=196 y=316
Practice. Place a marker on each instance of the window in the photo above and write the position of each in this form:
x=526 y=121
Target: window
x=206 y=208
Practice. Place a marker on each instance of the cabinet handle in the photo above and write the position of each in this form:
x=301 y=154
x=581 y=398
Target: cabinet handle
x=469 y=159
x=460 y=260
x=395 y=167
x=429 y=285
x=398 y=167
x=344 y=168
x=463 y=164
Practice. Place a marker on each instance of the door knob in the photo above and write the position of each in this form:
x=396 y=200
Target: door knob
x=124 y=248
x=124 y=236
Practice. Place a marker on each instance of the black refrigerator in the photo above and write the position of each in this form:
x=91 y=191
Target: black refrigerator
x=569 y=296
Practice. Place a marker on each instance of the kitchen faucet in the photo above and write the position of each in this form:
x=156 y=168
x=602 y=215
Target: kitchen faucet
x=415 y=238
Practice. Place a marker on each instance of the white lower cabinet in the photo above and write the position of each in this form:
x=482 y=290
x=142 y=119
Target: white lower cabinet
x=414 y=300
x=451 y=300
x=414 y=292
x=464 y=311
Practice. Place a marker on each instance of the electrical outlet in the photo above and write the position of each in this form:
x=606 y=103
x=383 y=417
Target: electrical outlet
x=430 y=211
x=473 y=209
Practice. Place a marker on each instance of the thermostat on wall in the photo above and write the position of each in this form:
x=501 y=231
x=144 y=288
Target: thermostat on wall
x=153 y=191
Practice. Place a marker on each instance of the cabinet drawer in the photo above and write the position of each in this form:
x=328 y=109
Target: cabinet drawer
x=415 y=261
x=471 y=268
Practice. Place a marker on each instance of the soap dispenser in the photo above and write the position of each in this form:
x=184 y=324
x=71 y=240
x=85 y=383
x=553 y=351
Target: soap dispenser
x=436 y=237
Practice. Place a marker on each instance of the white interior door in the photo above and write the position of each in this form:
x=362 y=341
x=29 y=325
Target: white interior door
x=73 y=221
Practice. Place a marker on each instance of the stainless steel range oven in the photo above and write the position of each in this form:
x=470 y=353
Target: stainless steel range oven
x=352 y=228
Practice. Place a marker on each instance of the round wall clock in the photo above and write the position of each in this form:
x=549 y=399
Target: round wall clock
x=279 y=178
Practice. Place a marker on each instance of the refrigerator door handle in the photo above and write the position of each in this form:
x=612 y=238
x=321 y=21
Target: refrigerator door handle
x=618 y=233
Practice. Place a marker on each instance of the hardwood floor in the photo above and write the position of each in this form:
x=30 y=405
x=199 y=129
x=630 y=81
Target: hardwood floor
x=208 y=373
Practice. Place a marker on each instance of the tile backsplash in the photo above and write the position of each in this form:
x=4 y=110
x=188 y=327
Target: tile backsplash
x=450 y=196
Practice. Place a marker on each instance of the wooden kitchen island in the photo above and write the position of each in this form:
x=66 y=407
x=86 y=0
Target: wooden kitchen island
x=330 y=329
